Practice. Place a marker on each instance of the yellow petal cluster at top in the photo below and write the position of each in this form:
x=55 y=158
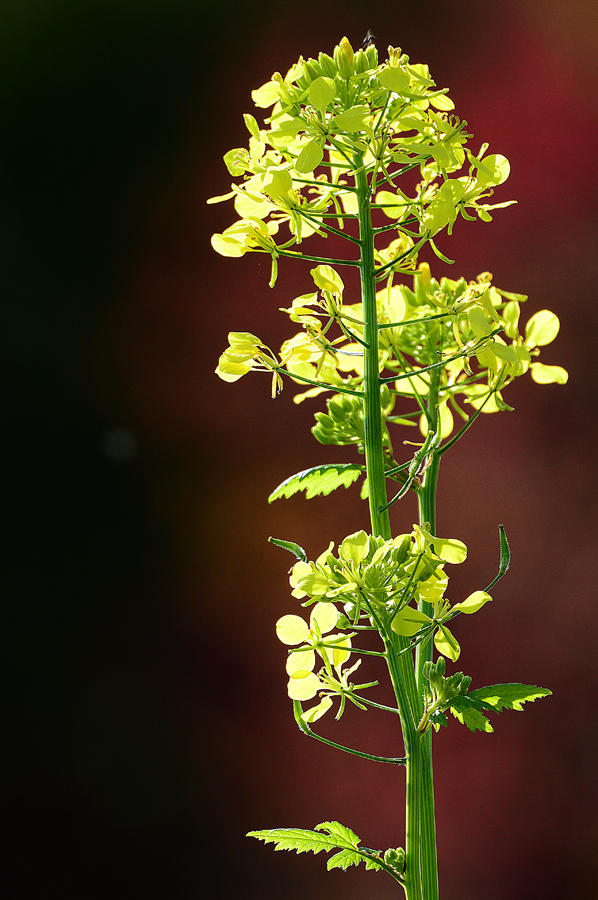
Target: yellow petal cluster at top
x=338 y=113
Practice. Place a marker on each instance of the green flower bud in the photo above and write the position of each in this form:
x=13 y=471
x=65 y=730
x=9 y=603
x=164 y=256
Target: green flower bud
x=362 y=63
x=344 y=58
x=328 y=65
x=312 y=69
x=395 y=859
x=372 y=55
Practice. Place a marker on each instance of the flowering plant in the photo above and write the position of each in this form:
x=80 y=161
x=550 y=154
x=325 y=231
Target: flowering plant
x=339 y=154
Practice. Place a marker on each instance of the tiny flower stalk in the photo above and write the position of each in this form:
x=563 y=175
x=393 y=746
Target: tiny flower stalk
x=424 y=361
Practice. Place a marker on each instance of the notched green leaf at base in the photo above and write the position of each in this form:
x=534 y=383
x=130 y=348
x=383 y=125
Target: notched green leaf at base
x=327 y=836
x=298 y=839
x=338 y=837
x=318 y=480
x=347 y=858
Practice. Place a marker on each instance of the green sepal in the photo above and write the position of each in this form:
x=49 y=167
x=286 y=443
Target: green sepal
x=293 y=548
x=505 y=557
x=321 y=479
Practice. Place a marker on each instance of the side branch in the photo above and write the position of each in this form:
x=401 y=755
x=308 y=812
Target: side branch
x=298 y=712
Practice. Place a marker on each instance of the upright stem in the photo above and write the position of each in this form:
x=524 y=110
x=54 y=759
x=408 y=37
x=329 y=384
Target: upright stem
x=427 y=514
x=374 y=454
x=400 y=665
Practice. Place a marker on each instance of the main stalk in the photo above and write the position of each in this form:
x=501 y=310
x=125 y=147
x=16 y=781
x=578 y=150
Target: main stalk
x=421 y=872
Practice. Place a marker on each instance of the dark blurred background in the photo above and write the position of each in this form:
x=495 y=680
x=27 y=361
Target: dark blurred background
x=147 y=726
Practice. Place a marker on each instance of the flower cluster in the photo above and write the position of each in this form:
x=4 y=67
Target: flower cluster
x=385 y=582
x=338 y=114
x=449 y=325
x=334 y=650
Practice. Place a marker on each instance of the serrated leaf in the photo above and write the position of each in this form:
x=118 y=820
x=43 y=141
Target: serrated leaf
x=344 y=859
x=509 y=696
x=318 y=480
x=339 y=837
x=347 y=858
x=293 y=548
x=345 y=836
x=298 y=839
x=468 y=713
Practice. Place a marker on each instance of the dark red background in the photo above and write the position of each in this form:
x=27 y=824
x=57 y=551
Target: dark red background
x=148 y=727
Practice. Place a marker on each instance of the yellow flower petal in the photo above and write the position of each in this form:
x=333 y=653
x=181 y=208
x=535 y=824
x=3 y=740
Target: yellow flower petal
x=316 y=712
x=292 y=630
x=447 y=644
x=304 y=660
x=409 y=621
x=303 y=686
x=326 y=615
x=474 y=602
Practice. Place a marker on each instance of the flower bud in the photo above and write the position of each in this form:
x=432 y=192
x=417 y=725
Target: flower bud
x=311 y=69
x=395 y=859
x=362 y=63
x=328 y=65
x=372 y=55
x=344 y=58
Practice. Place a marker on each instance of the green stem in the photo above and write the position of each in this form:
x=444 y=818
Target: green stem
x=399 y=667
x=298 y=711
x=400 y=662
x=423 y=653
x=374 y=453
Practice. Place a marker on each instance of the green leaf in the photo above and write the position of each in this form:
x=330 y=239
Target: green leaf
x=505 y=552
x=345 y=836
x=468 y=713
x=468 y=709
x=299 y=839
x=318 y=480
x=344 y=859
x=298 y=551
x=347 y=858
x=338 y=837
x=509 y=696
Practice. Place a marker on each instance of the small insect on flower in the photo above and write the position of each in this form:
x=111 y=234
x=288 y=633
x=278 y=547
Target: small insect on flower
x=368 y=40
